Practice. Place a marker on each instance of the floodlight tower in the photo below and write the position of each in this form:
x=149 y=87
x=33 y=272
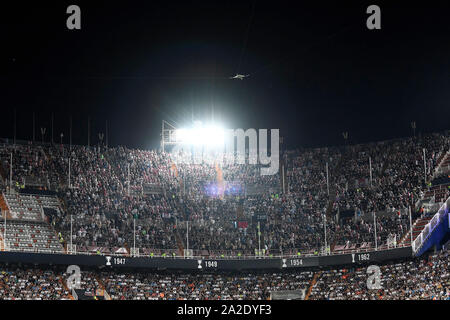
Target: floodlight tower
x=168 y=136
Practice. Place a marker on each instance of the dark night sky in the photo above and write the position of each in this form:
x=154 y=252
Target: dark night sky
x=315 y=69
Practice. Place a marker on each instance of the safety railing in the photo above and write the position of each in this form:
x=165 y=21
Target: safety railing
x=430 y=227
x=197 y=254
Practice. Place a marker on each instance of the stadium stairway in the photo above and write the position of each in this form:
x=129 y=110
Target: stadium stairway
x=59 y=168
x=420 y=225
x=406 y=239
x=446 y=162
x=65 y=247
x=383 y=168
x=3 y=175
x=63 y=283
x=4 y=206
x=127 y=247
x=417 y=228
x=102 y=287
x=332 y=197
x=312 y=284
x=443 y=163
x=437 y=192
x=179 y=243
x=61 y=179
x=333 y=245
x=2 y=242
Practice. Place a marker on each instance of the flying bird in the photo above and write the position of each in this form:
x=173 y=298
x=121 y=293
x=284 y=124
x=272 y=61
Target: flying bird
x=240 y=76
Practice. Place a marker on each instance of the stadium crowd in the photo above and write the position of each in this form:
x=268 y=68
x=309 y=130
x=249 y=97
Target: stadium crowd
x=111 y=187
x=18 y=283
x=246 y=286
x=419 y=279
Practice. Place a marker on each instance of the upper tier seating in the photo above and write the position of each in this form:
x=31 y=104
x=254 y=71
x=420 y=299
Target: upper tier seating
x=30 y=237
x=29 y=207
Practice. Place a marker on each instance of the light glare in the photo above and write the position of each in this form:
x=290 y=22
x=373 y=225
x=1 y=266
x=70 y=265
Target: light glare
x=212 y=135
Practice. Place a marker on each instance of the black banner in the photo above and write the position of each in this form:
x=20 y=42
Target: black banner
x=204 y=264
x=300 y=262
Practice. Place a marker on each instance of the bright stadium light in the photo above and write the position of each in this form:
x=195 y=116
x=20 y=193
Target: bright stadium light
x=210 y=135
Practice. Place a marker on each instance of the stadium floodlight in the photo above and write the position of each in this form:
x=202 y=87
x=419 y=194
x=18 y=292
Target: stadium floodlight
x=210 y=135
